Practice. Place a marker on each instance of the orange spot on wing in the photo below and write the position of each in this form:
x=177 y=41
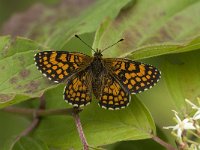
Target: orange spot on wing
x=123 y=66
x=63 y=57
x=133 y=82
x=116 y=99
x=125 y=82
x=144 y=79
x=53 y=55
x=112 y=86
x=130 y=86
x=133 y=74
x=137 y=79
x=65 y=73
x=54 y=62
x=71 y=58
x=140 y=74
x=131 y=67
x=142 y=84
x=54 y=67
x=61 y=76
x=49 y=71
x=105 y=97
x=142 y=67
x=75 y=66
x=121 y=102
x=110 y=102
x=65 y=67
x=60 y=64
x=44 y=58
x=117 y=72
x=148 y=76
x=110 y=97
x=58 y=71
x=45 y=62
x=83 y=95
x=127 y=75
x=119 y=97
x=106 y=90
x=122 y=93
x=149 y=72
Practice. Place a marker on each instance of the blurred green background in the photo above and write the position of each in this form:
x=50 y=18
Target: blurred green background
x=162 y=33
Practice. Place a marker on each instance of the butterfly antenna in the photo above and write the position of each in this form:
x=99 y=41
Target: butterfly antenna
x=112 y=45
x=84 y=42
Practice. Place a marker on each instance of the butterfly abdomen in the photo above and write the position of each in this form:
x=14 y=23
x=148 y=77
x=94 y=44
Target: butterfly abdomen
x=97 y=71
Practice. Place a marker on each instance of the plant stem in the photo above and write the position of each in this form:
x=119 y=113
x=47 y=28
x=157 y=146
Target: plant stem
x=80 y=130
x=30 y=128
x=36 y=120
x=163 y=143
x=39 y=112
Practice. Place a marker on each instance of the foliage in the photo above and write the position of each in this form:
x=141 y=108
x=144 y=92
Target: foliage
x=162 y=33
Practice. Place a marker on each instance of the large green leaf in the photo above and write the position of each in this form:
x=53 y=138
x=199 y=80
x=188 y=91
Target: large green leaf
x=101 y=126
x=87 y=22
x=152 y=28
x=20 y=79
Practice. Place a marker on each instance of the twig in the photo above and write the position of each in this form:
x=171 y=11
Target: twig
x=75 y=114
x=163 y=143
x=35 y=122
x=39 y=112
x=30 y=128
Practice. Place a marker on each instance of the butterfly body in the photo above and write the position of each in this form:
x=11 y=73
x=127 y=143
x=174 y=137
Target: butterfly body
x=98 y=71
x=111 y=80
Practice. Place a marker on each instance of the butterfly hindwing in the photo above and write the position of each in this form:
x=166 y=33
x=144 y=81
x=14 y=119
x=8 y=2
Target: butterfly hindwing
x=58 y=65
x=78 y=91
x=113 y=95
x=134 y=76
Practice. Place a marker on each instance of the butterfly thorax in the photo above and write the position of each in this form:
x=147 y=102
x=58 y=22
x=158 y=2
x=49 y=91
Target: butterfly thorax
x=97 y=71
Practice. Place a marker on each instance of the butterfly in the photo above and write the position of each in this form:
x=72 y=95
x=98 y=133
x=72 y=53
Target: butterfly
x=111 y=80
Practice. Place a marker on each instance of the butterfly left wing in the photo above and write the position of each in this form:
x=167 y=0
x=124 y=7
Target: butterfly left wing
x=78 y=91
x=113 y=94
x=59 y=65
x=134 y=76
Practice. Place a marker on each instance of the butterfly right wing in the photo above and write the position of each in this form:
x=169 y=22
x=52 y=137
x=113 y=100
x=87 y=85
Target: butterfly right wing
x=134 y=76
x=59 y=65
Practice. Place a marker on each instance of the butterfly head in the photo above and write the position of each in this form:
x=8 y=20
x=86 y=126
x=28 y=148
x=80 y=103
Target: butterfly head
x=98 y=53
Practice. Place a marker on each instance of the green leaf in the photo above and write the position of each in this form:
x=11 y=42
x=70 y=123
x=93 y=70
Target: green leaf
x=87 y=22
x=152 y=28
x=27 y=143
x=20 y=79
x=100 y=126
x=11 y=126
x=163 y=49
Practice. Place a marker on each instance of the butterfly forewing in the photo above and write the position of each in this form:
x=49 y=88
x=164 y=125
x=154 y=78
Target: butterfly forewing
x=113 y=95
x=78 y=91
x=134 y=76
x=59 y=65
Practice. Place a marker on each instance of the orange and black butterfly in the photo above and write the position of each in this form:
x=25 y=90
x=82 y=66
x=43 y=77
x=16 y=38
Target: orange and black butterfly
x=111 y=80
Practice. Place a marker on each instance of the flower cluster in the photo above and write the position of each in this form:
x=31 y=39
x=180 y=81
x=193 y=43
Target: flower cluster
x=187 y=131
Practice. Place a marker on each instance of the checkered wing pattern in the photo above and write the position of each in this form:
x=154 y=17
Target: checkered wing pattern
x=134 y=76
x=113 y=95
x=59 y=65
x=78 y=91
